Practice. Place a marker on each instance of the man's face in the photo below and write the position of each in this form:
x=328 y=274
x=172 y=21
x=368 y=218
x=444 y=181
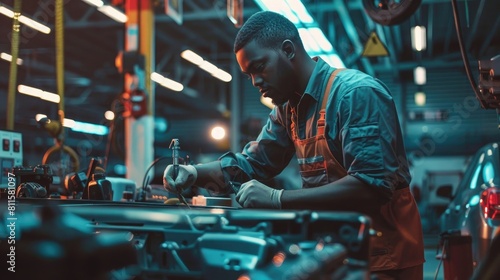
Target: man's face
x=270 y=70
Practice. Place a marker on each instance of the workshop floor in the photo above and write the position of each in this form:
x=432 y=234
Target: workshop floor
x=431 y=264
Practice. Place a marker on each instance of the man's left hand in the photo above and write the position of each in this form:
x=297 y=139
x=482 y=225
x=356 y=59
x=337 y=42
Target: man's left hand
x=254 y=194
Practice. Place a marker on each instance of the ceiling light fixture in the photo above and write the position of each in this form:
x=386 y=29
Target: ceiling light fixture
x=89 y=128
x=78 y=126
x=166 y=82
x=192 y=57
x=8 y=57
x=418 y=38
x=333 y=59
x=420 y=98
x=313 y=38
x=218 y=133
x=108 y=10
x=222 y=75
x=218 y=73
x=113 y=13
x=97 y=3
x=109 y=115
x=294 y=10
x=420 y=75
x=25 y=20
x=208 y=67
x=36 y=92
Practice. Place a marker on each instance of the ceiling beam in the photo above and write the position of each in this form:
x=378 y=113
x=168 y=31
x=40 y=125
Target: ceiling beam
x=475 y=24
x=352 y=33
x=493 y=32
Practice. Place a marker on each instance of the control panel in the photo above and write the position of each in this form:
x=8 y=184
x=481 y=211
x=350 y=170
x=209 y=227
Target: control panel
x=11 y=154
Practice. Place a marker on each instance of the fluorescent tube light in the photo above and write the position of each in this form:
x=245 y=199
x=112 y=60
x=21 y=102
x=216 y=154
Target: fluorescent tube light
x=222 y=75
x=96 y=3
x=166 y=82
x=420 y=98
x=192 y=57
x=69 y=123
x=25 y=20
x=34 y=24
x=35 y=92
x=156 y=77
x=108 y=10
x=207 y=66
x=309 y=42
x=7 y=12
x=171 y=84
x=314 y=40
x=320 y=39
x=8 y=57
x=300 y=10
x=113 y=13
x=278 y=6
x=333 y=59
x=89 y=128
x=78 y=126
x=418 y=38
x=419 y=75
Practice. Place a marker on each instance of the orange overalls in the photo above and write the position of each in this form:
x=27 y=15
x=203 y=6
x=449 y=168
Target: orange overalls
x=398 y=222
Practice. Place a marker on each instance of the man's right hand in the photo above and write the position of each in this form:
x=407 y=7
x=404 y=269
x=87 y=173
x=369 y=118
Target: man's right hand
x=185 y=178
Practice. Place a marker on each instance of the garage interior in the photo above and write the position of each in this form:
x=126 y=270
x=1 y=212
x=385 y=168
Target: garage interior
x=443 y=121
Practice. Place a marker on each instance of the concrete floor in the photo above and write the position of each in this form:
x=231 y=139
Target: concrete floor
x=431 y=265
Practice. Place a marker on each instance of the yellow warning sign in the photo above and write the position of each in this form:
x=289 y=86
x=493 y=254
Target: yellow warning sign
x=374 y=47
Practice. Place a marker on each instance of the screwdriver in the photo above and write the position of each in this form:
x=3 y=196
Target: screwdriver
x=175 y=162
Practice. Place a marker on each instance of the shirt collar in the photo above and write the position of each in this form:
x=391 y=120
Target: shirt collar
x=315 y=86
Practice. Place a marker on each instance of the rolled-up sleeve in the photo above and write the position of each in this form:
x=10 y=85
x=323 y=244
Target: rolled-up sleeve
x=263 y=158
x=371 y=140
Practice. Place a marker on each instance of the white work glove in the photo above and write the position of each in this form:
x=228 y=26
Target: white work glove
x=185 y=178
x=254 y=194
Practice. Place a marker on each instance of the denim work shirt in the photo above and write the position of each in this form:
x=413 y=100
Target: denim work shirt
x=362 y=129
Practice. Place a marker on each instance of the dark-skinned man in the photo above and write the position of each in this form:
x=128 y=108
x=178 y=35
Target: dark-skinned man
x=343 y=128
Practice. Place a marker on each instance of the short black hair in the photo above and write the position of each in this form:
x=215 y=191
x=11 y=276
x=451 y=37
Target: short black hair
x=268 y=29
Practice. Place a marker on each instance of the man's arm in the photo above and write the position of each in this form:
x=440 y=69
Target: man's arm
x=210 y=177
x=346 y=194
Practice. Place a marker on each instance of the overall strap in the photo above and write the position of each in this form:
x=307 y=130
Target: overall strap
x=320 y=130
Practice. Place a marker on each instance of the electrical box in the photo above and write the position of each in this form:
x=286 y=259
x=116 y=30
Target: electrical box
x=11 y=154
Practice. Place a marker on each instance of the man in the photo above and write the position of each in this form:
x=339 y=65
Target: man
x=342 y=125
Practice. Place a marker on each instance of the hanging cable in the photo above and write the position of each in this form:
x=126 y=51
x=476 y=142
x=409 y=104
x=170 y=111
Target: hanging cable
x=60 y=57
x=59 y=146
x=464 y=55
x=11 y=96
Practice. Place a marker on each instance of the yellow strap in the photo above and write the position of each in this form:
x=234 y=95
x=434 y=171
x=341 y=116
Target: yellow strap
x=329 y=86
x=59 y=23
x=11 y=93
x=321 y=121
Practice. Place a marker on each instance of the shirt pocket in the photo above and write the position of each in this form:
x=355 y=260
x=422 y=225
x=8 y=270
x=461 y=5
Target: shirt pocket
x=365 y=148
x=313 y=171
x=314 y=178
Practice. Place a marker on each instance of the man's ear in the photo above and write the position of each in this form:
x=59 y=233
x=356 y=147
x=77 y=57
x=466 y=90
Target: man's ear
x=288 y=48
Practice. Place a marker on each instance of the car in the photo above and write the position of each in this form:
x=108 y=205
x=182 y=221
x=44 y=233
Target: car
x=474 y=208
